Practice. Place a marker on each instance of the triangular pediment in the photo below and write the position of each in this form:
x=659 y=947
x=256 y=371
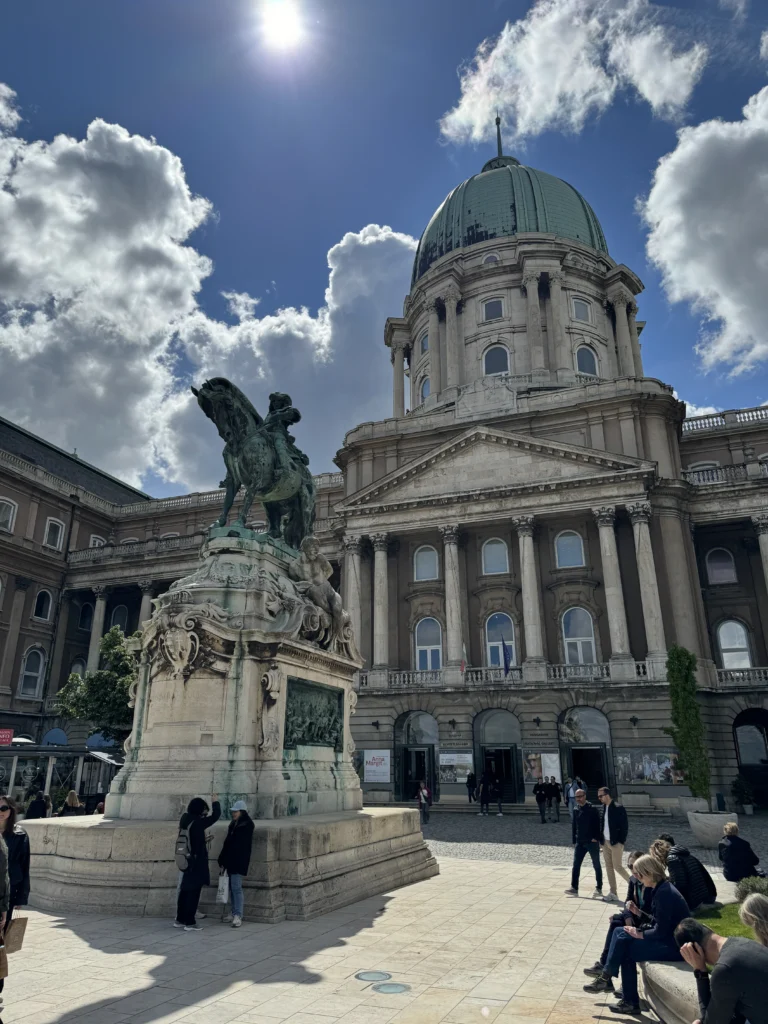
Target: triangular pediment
x=484 y=460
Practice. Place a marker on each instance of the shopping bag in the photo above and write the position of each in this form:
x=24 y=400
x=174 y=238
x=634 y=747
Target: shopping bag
x=222 y=895
x=14 y=935
x=3 y=963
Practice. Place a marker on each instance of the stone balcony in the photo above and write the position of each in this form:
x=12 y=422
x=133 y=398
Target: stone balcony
x=723 y=420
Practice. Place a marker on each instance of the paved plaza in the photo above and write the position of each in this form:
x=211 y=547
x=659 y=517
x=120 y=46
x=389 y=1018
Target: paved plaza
x=492 y=938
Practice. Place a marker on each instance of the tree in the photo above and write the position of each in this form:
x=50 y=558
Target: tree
x=687 y=729
x=102 y=697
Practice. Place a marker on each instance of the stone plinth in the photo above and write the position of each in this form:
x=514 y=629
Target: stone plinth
x=300 y=867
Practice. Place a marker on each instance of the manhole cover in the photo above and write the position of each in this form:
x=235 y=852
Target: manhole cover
x=373 y=976
x=391 y=988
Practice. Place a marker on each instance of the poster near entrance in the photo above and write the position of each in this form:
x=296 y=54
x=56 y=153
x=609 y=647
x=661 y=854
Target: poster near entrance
x=455 y=765
x=550 y=766
x=376 y=766
x=532 y=772
x=648 y=766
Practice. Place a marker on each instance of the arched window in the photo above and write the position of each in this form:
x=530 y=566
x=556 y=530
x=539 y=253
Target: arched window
x=167 y=536
x=424 y=389
x=733 y=641
x=493 y=309
x=54 y=533
x=750 y=729
x=55 y=738
x=578 y=637
x=78 y=667
x=43 y=606
x=581 y=310
x=495 y=557
x=424 y=344
x=429 y=645
x=86 y=617
x=569 y=550
x=98 y=741
x=499 y=631
x=720 y=566
x=7 y=514
x=497 y=728
x=425 y=563
x=130 y=540
x=120 y=617
x=496 y=360
x=32 y=668
x=491 y=259
x=584 y=725
x=421 y=730
x=586 y=361
x=96 y=541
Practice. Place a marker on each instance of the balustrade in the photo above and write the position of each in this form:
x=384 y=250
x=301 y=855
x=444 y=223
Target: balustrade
x=715 y=475
x=600 y=670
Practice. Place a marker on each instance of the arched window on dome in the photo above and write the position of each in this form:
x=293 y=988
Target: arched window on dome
x=424 y=344
x=495 y=557
x=491 y=258
x=586 y=360
x=428 y=638
x=425 y=563
x=424 y=389
x=582 y=310
x=720 y=567
x=496 y=360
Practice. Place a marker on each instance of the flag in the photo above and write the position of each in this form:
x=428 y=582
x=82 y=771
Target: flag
x=507 y=653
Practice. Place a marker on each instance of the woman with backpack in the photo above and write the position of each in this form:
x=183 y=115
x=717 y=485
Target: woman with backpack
x=235 y=857
x=192 y=859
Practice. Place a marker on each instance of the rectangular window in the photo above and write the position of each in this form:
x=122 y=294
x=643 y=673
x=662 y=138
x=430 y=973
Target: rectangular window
x=53 y=534
x=435 y=658
x=581 y=310
x=493 y=310
x=423 y=661
x=29 y=685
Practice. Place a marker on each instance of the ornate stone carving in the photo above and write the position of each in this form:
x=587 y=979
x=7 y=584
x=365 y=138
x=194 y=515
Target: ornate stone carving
x=531 y=279
x=314 y=716
x=760 y=523
x=260 y=456
x=433 y=306
x=632 y=308
x=270 y=726
x=450 y=534
x=380 y=541
x=100 y=591
x=605 y=515
x=524 y=525
x=325 y=622
x=619 y=300
x=640 y=512
x=352 y=544
x=557 y=277
x=173 y=633
x=451 y=295
x=352 y=706
x=22 y=582
x=146 y=586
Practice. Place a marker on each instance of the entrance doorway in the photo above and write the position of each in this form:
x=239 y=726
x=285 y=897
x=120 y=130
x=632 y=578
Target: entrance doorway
x=416 y=752
x=497 y=740
x=418 y=763
x=585 y=747
x=589 y=764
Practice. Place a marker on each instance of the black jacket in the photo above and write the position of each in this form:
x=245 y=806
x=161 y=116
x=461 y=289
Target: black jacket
x=471 y=781
x=738 y=857
x=197 y=874
x=5 y=885
x=540 y=792
x=235 y=854
x=65 y=811
x=690 y=877
x=618 y=825
x=554 y=793
x=668 y=909
x=18 y=865
x=36 y=809
x=586 y=824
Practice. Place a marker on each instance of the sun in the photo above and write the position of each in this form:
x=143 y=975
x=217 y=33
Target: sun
x=281 y=24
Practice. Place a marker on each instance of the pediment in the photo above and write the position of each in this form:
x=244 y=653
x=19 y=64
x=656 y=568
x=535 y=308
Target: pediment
x=484 y=461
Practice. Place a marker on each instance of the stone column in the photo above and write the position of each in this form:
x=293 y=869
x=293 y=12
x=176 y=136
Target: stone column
x=451 y=298
x=398 y=381
x=760 y=524
x=622 y=663
x=623 y=339
x=57 y=657
x=636 y=356
x=454 y=645
x=380 y=601
x=353 y=593
x=563 y=359
x=435 y=369
x=535 y=339
x=145 y=612
x=640 y=515
x=534 y=641
x=12 y=636
x=97 y=629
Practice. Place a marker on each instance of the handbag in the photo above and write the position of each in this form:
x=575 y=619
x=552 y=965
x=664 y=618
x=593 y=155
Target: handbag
x=222 y=894
x=14 y=934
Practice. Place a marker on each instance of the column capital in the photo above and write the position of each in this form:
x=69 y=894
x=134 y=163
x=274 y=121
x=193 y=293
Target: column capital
x=22 y=582
x=605 y=515
x=380 y=541
x=760 y=523
x=432 y=306
x=619 y=299
x=524 y=525
x=639 y=512
x=352 y=544
x=450 y=534
x=632 y=308
x=531 y=277
x=557 y=277
x=145 y=586
x=101 y=592
x=451 y=295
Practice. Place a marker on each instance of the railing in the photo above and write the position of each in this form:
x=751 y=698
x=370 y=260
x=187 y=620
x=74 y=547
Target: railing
x=402 y=680
x=485 y=676
x=716 y=475
x=730 y=417
x=137 y=549
x=742 y=676
x=596 y=671
x=323 y=481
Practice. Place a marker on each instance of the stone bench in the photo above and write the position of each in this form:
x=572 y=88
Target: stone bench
x=670 y=990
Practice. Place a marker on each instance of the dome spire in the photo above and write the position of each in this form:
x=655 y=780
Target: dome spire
x=499 y=160
x=498 y=135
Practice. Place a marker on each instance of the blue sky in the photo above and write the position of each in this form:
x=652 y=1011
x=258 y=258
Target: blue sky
x=294 y=148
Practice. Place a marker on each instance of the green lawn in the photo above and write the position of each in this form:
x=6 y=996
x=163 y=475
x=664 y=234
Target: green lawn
x=725 y=921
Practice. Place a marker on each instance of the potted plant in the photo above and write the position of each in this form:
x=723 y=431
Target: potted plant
x=741 y=791
x=687 y=732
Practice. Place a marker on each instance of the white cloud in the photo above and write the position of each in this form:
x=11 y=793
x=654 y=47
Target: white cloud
x=100 y=324
x=565 y=61
x=737 y=7
x=707 y=212
x=764 y=45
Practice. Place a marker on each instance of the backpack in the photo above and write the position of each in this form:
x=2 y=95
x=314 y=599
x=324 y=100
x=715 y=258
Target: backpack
x=429 y=798
x=183 y=850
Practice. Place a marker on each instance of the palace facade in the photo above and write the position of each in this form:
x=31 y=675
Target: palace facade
x=519 y=544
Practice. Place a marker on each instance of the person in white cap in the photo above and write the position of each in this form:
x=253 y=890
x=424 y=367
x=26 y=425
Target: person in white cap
x=235 y=857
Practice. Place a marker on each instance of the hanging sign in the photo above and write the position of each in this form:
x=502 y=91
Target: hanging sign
x=6 y=737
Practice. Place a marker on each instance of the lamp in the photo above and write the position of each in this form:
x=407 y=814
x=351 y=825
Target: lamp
x=537 y=720
x=452 y=722
x=634 y=720
x=375 y=725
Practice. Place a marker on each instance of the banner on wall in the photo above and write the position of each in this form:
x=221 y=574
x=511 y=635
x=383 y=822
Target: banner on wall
x=376 y=766
x=6 y=737
x=647 y=766
x=455 y=765
x=550 y=765
x=532 y=766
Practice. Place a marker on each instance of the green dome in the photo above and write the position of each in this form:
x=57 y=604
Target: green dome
x=506 y=199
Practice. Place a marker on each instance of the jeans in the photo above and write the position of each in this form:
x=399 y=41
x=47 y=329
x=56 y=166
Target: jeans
x=470 y=793
x=554 y=804
x=424 y=808
x=543 y=811
x=572 y=806
x=484 y=804
x=626 y=953
x=236 y=894
x=186 y=906
x=579 y=853
x=616 y=921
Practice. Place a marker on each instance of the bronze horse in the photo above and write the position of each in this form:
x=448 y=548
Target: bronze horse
x=261 y=457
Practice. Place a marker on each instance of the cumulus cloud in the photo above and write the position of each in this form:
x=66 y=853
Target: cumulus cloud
x=101 y=332
x=565 y=61
x=707 y=214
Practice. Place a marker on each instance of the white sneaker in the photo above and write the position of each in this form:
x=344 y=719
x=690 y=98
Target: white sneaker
x=479 y=814
x=177 y=924
x=193 y=927
x=610 y=897
x=597 y=894
x=200 y=916
x=236 y=921
x=499 y=815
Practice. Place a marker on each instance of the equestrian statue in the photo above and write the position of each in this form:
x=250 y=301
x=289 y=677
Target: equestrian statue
x=261 y=457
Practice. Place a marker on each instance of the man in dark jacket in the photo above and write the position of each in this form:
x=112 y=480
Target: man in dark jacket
x=613 y=835
x=197 y=873
x=554 y=795
x=586 y=840
x=235 y=857
x=688 y=875
x=540 y=795
x=37 y=808
x=738 y=857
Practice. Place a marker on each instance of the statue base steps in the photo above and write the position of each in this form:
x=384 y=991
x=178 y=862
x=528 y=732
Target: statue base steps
x=301 y=867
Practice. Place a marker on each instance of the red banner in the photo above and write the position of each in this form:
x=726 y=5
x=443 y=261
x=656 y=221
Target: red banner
x=6 y=735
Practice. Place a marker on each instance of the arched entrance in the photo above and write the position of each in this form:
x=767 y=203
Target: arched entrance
x=750 y=734
x=416 y=754
x=497 y=741
x=585 y=747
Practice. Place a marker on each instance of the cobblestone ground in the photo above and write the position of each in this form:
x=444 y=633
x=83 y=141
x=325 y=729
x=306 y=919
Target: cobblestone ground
x=526 y=841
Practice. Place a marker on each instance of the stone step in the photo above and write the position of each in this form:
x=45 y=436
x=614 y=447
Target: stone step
x=524 y=810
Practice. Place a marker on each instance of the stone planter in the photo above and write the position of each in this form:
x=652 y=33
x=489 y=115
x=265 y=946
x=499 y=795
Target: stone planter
x=636 y=799
x=693 y=803
x=708 y=827
x=749 y=809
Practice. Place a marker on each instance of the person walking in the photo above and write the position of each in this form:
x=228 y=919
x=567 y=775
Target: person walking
x=5 y=897
x=235 y=857
x=737 y=986
x=572 y=788
x=197 y=873
x=636 y=911
x=630 y=946
x=686 y=872
x=471 y=787
x=424 y=799
x=554 y=796
x=497 y=792
x=738 y=857
x=16 y=847
x=36 y=807
x=613 y=835
x=71 y=806
x=540 y=795
x=485 y=793
x=586 y=840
